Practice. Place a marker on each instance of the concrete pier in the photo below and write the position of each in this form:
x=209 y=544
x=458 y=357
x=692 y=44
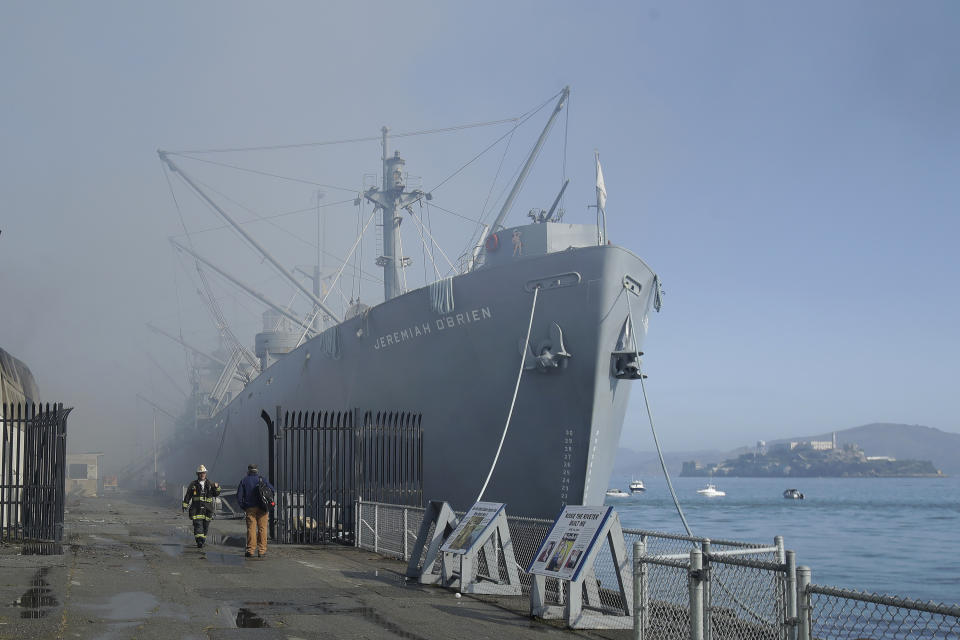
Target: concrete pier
x=130 y=569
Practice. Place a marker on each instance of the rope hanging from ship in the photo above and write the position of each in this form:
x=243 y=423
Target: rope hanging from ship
x=513 y=402
x=646 y=402
x=663 y=464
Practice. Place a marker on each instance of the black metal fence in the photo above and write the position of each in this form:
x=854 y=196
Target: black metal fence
x=33 y=453
x=322 y=462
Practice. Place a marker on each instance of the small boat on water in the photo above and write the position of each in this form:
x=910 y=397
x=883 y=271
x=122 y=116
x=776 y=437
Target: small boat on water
x=617 y=493
x=792 y=494
x=636 y=486
x=711 y=491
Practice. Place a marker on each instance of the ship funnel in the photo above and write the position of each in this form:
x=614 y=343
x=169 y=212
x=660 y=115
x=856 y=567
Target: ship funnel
x=277 y=339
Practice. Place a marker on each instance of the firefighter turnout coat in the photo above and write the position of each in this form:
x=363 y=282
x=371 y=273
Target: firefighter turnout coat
x=200 y=501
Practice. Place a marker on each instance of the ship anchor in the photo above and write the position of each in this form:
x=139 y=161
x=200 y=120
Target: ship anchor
x=550 y=353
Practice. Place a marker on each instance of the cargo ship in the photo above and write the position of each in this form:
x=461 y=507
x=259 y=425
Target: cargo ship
x=520 y=364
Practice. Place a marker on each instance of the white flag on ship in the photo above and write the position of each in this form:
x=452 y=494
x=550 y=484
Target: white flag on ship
x=601 y=188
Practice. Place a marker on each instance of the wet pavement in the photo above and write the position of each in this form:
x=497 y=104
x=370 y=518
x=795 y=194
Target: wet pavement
x=130 y=569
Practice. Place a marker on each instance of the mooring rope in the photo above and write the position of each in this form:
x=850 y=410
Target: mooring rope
x=516 y=388
x=646 y=402
x=663 y=465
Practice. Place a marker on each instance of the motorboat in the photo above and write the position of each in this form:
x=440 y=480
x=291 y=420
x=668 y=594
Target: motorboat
x=792 y=494
x=617 y=493
x=636 y=486
x=711 y=491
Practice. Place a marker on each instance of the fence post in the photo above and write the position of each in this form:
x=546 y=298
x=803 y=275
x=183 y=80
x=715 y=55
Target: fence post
x=780 y=580
x=695 y=582
x=639 y=586
x=359 y=536
x=645 y=578
x=790 y=594
x=376 y=528
x=805 y=609
x=707 y=595
x=406 y=553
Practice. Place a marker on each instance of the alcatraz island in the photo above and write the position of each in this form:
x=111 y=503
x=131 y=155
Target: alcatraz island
x=812 y=459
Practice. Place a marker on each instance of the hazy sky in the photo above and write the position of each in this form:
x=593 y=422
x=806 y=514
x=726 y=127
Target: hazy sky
x=790 y=170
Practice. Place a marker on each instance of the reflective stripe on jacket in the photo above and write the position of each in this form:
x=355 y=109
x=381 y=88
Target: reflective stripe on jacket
x=200 y=501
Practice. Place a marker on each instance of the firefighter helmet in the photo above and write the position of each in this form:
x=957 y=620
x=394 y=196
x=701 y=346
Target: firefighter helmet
x=201 y=469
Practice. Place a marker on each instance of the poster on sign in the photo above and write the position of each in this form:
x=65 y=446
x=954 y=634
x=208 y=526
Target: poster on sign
x=471 y=527
x=569 y=542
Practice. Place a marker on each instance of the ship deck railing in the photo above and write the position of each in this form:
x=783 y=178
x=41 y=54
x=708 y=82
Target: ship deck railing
x=691 y=587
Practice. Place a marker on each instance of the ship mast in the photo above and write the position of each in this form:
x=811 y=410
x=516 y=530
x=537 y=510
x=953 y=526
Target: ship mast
x=526 y=168
x=391 y=199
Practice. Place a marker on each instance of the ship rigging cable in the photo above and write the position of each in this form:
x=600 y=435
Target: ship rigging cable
x=176 y=286
x=336 y=278
x=403 y=264
x=220 y=321
x=264 y=173
x=426 y=255
x=519 y=121
x=256 y=216
x=421 y=225
x=516 y=388
x=353 y=140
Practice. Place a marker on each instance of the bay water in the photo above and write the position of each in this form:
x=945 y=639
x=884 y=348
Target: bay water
x=897 y=536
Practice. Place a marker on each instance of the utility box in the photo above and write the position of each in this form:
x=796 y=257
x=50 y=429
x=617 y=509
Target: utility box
x=83 y=475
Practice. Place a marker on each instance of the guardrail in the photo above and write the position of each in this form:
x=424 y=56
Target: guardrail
x=737 y=592
x=726 y=596
x=831 y=612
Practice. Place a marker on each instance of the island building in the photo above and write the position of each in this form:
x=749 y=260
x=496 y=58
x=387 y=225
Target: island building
x=816 y=445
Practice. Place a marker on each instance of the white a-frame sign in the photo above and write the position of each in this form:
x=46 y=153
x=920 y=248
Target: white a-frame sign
x=569 y=552
x=440 y=514
x=480 y=539
x=482 y=534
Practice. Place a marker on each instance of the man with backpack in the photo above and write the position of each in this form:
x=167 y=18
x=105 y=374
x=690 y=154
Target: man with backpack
x=255 y=495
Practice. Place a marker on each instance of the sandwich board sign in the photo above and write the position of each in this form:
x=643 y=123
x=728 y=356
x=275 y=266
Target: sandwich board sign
x=569 y=552
x=482 y=530
x=471 y=527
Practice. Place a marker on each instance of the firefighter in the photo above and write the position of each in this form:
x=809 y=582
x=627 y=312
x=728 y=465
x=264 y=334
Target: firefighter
x=199 y=499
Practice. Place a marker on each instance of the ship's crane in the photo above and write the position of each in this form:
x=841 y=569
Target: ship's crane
x=164 y=156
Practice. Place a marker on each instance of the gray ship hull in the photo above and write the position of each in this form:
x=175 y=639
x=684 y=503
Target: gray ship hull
x=459 y=369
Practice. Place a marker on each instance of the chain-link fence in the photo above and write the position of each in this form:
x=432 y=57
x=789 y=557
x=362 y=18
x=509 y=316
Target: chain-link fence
x=830 y=613
x=749 y=599
x=387 y=529
x=718 y=590
x=661 y=596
